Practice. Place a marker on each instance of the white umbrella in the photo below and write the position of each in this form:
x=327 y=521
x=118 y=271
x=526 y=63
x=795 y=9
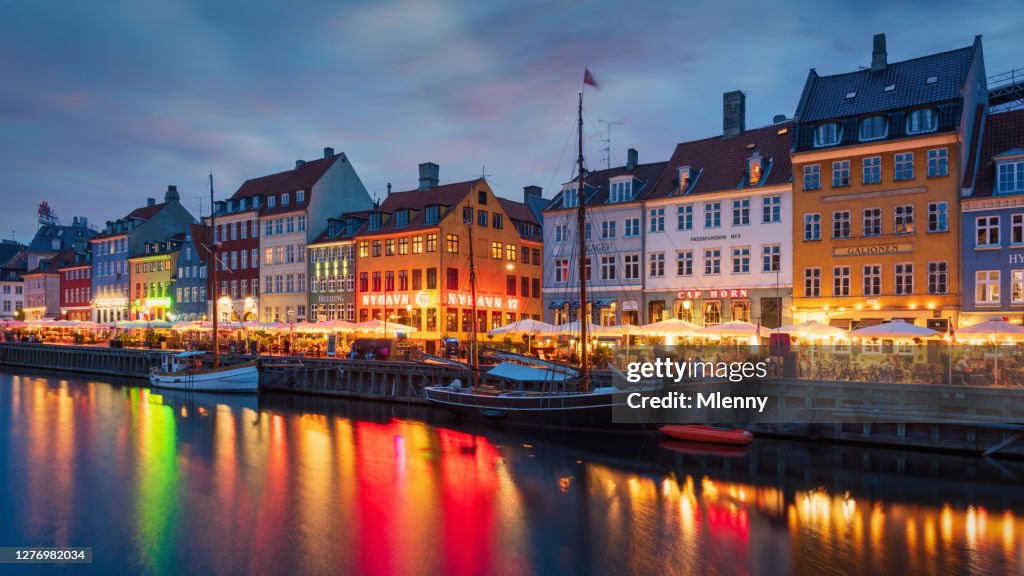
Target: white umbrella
x=995 y=330
x=525 y=326
x=573 y=328
x=812 y=329
x=381 y=326
x=336 y=325
x=670 y=327
x=895 y=330
x=735 y=328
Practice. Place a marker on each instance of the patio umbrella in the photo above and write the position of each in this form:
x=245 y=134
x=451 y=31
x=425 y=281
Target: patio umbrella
x=895 y=330
x=735 y=328
x=994 y=330
x=336 y=325
x=670 y=327
x=812 y=329
x=526 y=326
x=381 y=326
x=573 y=328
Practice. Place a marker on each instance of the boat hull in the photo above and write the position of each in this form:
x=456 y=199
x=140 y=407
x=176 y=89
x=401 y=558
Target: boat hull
x=241 y=378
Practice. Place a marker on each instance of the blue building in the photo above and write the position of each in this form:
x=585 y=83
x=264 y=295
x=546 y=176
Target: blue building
x=128 y=236
x=993 y=225
x=190 y=280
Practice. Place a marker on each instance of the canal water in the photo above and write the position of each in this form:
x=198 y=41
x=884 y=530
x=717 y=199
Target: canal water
x=174 y=483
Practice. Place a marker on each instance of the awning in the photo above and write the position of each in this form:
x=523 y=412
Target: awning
x=556 y=304
x=603 y=303
x=843 y=323
x=520 y=372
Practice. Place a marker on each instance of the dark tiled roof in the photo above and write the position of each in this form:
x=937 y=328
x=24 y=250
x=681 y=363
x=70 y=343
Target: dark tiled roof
x=360 y=217
x=53 y=265
x=824 y=97
x=301 y=178
x=147 y=212
x=517 y=211
x=66 y=234
x=446 y=195
x=1003 y=132
x=720 y=163
x=973 y=144
x=8 y=250
x=599 y=183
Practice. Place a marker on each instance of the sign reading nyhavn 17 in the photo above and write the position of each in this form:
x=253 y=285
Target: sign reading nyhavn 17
x=873 y=250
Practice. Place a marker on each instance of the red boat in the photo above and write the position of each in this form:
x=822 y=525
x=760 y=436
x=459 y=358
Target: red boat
x=708 y=434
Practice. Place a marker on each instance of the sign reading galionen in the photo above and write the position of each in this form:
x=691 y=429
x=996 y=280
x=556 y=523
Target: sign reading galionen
x=873 y=250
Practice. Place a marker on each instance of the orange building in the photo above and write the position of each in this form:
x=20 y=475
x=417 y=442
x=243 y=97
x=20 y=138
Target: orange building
x=415 y=252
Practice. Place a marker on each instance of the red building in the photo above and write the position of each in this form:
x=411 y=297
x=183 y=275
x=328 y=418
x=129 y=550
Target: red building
x=76 y=291
x=238 y=269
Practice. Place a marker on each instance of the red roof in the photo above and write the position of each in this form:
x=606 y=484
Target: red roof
x=517 y=211
x=301 y=178
x=1003 y=132
x=447 y=195
x=720 y=163
x=58 y=262
x=147 y=212
x=201 y=240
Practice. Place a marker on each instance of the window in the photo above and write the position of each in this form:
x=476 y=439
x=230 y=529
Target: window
x=812 y=177
x=840 y=280
x=712 y=214
x=904 y=164
x=812 y=281
x=632 y=227
x=364 y=249
x=389 y=247
x=872 y=170
x=524 y=255
x=771 y=258
x=904 y=279
x=1010 y=177
x=401 y=219
x=561 y=232
x=1017 y=229
x=631 y=265
x=268 y=256
x=417 y=279
x=712 y=261
x=607 y=268
x=827 y=134
x=452 y=244
x=432 y=215
x=621 y=191
x=771 y=209
x=561 y=270
x=496 y=250
x=570 y=198
x=986 y=287
x=920 y=121
x=904 y=219
x=840 y=173
x=497 y=221
x=937 y=219
x=270 y=201
x=684 y=217
x=873 y=128
x=588 y=231
x=987 y=231
x=938 y=162
x=812 y=227
x=403 y=246
x=300 y=196
x=431 y=242
x=431 y=278
x=1017 y=286
x=937 y=277
x=268 y=228
x=656 y=268
x=467 y=215
x=376 y=248
x=510 y=252
x=872 y=221
x=452 y=278
x=841 y=224
x=741 y=260
x=872 y=280
x=482 y=217
x=741 y=212
x=684 y=263
x=608 y=229
x=657 y=217
x=417 y=244
x=285 y=200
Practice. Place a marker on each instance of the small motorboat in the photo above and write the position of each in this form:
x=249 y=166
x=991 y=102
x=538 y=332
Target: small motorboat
x=707 y=434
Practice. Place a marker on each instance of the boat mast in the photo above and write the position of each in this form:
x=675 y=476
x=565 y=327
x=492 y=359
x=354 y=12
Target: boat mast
x=581 y=224
x=213 y=272
x=475 y=357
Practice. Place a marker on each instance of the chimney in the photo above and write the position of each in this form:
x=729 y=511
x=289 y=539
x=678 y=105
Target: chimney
x=734 y=113
x=428 y=175
x=879 y=55
x=778 y=118
x=531 y=191
x=631 y=158
x=389 y=188
x=328 y=153
x=172 y=194
x=299 y=163
x=150 y=201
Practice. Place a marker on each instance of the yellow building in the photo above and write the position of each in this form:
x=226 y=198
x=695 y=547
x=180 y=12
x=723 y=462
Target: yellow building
x=878 y=161
x=151 y=277
x=413 y=260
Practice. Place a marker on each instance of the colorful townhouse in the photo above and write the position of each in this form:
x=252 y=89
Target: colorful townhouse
x=191 y=278
x=42 y=286
x=237 y=233
x=76 y=289
x=152 y=273
x=718 y=227
x=878 y=159
x=111 y=284
x=13 y=263
x=614 y=238
x=993 y=225
x=415 y=252
x=332 y=269
x=293 y=208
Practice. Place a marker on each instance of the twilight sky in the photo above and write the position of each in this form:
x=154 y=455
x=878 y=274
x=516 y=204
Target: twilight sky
x=106 y=103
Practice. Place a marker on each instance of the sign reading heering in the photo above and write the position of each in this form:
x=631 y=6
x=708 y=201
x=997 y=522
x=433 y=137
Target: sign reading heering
x=873 y=250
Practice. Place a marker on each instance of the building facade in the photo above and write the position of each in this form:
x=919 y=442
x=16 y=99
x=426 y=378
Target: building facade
x=614 y=237
x=878 y=161
x=111 y=283
x=993 y=225
x=332 y=269
x=190 y=279
x=718 y=227
x=416 y=250
x=76 y=289
x=151 y=276
x=237 y=233
x=294 y=210
x=13 y=265
x=42 y=286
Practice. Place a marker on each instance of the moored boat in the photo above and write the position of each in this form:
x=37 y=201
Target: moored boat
x=185 y=371
x=708 y=434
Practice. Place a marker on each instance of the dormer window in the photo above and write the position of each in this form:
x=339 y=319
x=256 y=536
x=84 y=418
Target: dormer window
x=401 y=219
x=685 y=175
x=375 y=220
x=432 y=215
x=270 y=201
x=755 y=168
x=621 y=191
x=350 y=227
x=300 y=196
x=256 y=201
x=921 y=121
x=1010 y=176
x=570 y=198
x=872 y=128
x=827 y=134
x=285 y=199
x=231 y=205
x=332 y=228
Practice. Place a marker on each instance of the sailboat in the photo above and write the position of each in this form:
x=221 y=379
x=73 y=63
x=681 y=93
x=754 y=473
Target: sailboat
x=187 y=370
x=575 y=402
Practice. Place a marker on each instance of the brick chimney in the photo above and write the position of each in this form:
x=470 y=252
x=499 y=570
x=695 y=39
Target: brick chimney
x=150 y=201
x=631 y=157
x=299 y=163
x=734 y=113
x=172 y=194
x=530 y=192
x=328 y=153
x=879 y=56
x=428 y=175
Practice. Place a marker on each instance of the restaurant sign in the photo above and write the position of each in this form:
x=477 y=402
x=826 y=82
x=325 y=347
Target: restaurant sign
x=713 y=294
x=873 y=250
x=402 y=299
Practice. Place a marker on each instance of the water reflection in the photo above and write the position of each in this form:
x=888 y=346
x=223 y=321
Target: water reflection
x=163 y=483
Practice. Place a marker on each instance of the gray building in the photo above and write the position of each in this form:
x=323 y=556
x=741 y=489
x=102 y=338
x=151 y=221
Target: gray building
x=190 y=279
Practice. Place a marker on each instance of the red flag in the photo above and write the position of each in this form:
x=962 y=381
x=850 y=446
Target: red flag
x=588 y=78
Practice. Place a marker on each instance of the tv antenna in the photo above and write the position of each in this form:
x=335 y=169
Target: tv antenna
x=608 y=141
